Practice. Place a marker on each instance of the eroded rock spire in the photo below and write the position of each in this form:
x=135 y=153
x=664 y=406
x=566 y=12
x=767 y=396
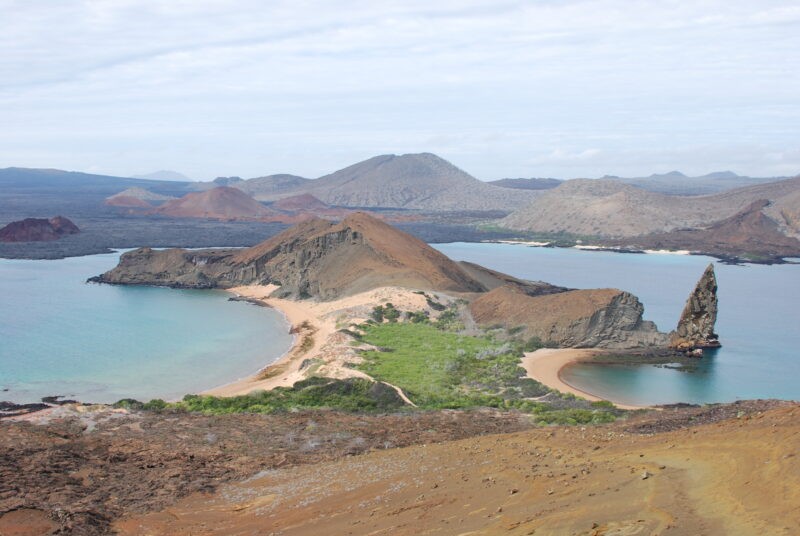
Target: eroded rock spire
x=695 y=329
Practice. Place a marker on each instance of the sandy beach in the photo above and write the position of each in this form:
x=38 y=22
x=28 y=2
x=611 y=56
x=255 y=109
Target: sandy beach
x=317 y=339
x=545 y=365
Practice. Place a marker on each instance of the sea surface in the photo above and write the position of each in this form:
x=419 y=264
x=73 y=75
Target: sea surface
x=100 y=343
x=758 y=321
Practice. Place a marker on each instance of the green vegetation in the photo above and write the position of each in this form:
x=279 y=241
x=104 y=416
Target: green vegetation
x=442 y=369
x=353 y=394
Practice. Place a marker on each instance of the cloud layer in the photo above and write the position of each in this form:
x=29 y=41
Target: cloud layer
x=545 y=88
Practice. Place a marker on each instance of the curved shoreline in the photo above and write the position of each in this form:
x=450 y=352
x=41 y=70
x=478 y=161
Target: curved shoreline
x=546 y=364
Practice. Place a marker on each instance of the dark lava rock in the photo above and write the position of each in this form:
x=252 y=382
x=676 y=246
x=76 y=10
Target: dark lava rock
x=38 y=230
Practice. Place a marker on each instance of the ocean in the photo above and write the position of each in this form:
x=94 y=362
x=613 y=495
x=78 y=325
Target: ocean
x=99 y=343
x=758 y=321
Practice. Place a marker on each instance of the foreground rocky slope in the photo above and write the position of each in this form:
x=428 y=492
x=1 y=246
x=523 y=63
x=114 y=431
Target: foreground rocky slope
x=38 y=230
x=723 y=469
x=734 y=475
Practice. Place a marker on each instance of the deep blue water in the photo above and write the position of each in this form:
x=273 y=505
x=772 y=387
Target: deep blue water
x=758 y=322
x=99 y=343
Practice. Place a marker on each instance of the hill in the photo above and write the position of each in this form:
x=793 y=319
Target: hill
x=676 y=183
x=164 y=175
x=136 y=197
x=411 y=181
x=223 y=203
x=527 y=184
x=272 y=187
x=609 y=208
x=38 y=230
x=302 y=202
x=314 y=258
x=749 y=233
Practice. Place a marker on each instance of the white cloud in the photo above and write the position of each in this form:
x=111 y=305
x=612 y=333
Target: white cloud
x=216 y=87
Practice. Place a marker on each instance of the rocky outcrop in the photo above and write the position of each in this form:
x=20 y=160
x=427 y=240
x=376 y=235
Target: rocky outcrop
x=602 y=318
x=38 y=230
x=696 y=326
x=315 y=258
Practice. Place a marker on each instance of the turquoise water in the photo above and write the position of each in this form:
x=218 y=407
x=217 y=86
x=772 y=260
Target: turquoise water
x=99 y=343
x=758 y=323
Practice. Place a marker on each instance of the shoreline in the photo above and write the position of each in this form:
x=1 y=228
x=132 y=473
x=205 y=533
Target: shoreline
x=286 y=370
x=546 y=364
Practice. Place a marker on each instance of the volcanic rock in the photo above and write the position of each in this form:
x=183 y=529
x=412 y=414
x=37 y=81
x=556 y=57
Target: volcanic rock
x=223 y=203
x=602 y=318
x=696 y=326
x=38 y=230
x=314 y=258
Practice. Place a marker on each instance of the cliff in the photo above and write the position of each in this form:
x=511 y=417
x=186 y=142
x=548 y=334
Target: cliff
x=603 y=318
x=315 y=258
x=38 y=230
x=696 y=326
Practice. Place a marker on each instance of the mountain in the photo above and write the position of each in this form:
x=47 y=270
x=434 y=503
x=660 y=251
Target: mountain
x=302 y=202
x=223 y=203
x=314 y=258
x=272 y=187
x=748 y=233
x=55 y=181
x=413 y=181
x=676 y=183
x=38 y=230
x=164 y=175
x=527 y=184
x=136 y=197
x=609 y=208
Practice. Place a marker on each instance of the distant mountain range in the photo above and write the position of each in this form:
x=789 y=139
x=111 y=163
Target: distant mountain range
x=610 y=208
x=673 y=183
x=164 y=175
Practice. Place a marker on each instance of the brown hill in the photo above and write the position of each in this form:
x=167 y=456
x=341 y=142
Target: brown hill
x=38 y=230
x=314 y=258
x=607 y=318
x=298 y=203
x=748 y=233
x=608 y=208
x=222 y=203
x=127 y=201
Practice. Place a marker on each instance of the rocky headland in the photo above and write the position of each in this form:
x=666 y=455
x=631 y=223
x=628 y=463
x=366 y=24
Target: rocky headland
x=38 y=229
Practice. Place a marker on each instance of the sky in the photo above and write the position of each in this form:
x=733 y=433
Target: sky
x=499 y=88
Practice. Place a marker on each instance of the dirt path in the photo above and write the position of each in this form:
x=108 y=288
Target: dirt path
x=739 y=476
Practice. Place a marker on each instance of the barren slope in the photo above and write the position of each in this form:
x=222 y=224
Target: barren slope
x=413 y=181
x=738 y=476
x=613 y=209
x=224 y=203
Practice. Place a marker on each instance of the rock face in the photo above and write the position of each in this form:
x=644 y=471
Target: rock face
x=696 y=326
x=315 y=258
x=325 y=260
x=38 y=230
x=602 y=318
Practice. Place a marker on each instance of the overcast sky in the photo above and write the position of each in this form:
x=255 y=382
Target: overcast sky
x=501 y=89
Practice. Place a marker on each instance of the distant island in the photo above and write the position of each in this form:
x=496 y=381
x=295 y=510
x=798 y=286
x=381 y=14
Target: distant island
x=722 y=214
